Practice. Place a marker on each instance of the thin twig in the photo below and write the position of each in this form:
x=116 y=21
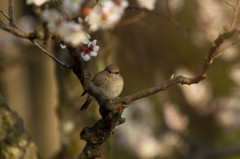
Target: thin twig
x=235 y=13
x=51 y=56
x=225 y=48
x=167 y=17
x=134 y=19
x=10 y=13
x=236 y=9
x=229 y=4
x=4 y=14
x=173 y=20
x=146 y=10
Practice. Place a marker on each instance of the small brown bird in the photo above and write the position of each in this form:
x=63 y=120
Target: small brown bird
x=109 y=81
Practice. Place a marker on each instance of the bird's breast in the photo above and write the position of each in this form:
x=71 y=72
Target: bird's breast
x=114 y=88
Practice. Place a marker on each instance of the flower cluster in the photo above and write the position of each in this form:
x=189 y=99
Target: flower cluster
x=107 y=16
x=72 y=7
x=90 y=50
x=148 y=4
x=36 y=2
x=68 y=31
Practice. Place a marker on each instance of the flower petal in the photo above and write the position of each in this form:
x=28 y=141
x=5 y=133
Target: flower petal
x=94 y=42
x=85 y=57
x=96 y=48
x=93 y=53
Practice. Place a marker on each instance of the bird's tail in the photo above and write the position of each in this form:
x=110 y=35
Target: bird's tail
x=87 y=102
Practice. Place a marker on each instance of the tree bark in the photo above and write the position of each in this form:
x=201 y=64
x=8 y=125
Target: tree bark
x=14 y=141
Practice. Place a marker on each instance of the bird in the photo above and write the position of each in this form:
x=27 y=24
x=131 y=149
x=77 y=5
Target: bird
x=109 y=81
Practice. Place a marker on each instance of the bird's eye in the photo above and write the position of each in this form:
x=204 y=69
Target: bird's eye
x=109 y=71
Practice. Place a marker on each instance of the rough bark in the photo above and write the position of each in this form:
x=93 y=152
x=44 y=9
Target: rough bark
x=14 y=141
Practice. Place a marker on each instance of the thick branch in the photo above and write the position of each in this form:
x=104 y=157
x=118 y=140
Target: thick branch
x=85 y=79
x=111 y=113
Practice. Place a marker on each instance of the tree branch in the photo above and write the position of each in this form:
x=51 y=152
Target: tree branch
x=235 y=13
x=16 y=31
x=180 y=79
x=229 y=4
x=10 y=13
x=51 y=56
x=236 y=9
x=111 y=113
x=173 y=20
x=146 y=10
x=111 y=110
x=4 y=14
x=226 y=47
x=31 y=37
x=149 y=91
x=168 y=17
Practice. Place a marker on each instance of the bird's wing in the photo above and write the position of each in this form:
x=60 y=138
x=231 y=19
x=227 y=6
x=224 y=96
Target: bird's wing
x=99 y=79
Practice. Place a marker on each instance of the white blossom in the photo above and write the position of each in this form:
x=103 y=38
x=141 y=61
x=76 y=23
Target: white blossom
x=72 y=6
x=69 y=31
x=90 y=50
x=95 y=48
x=93 y=54
x=95 y=19
x=52 y=17
x=113 y=12
x=36 y=2
x=107 y=16
x=148 y=4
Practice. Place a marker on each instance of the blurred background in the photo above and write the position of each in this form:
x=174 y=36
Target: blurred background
x=149 y=50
